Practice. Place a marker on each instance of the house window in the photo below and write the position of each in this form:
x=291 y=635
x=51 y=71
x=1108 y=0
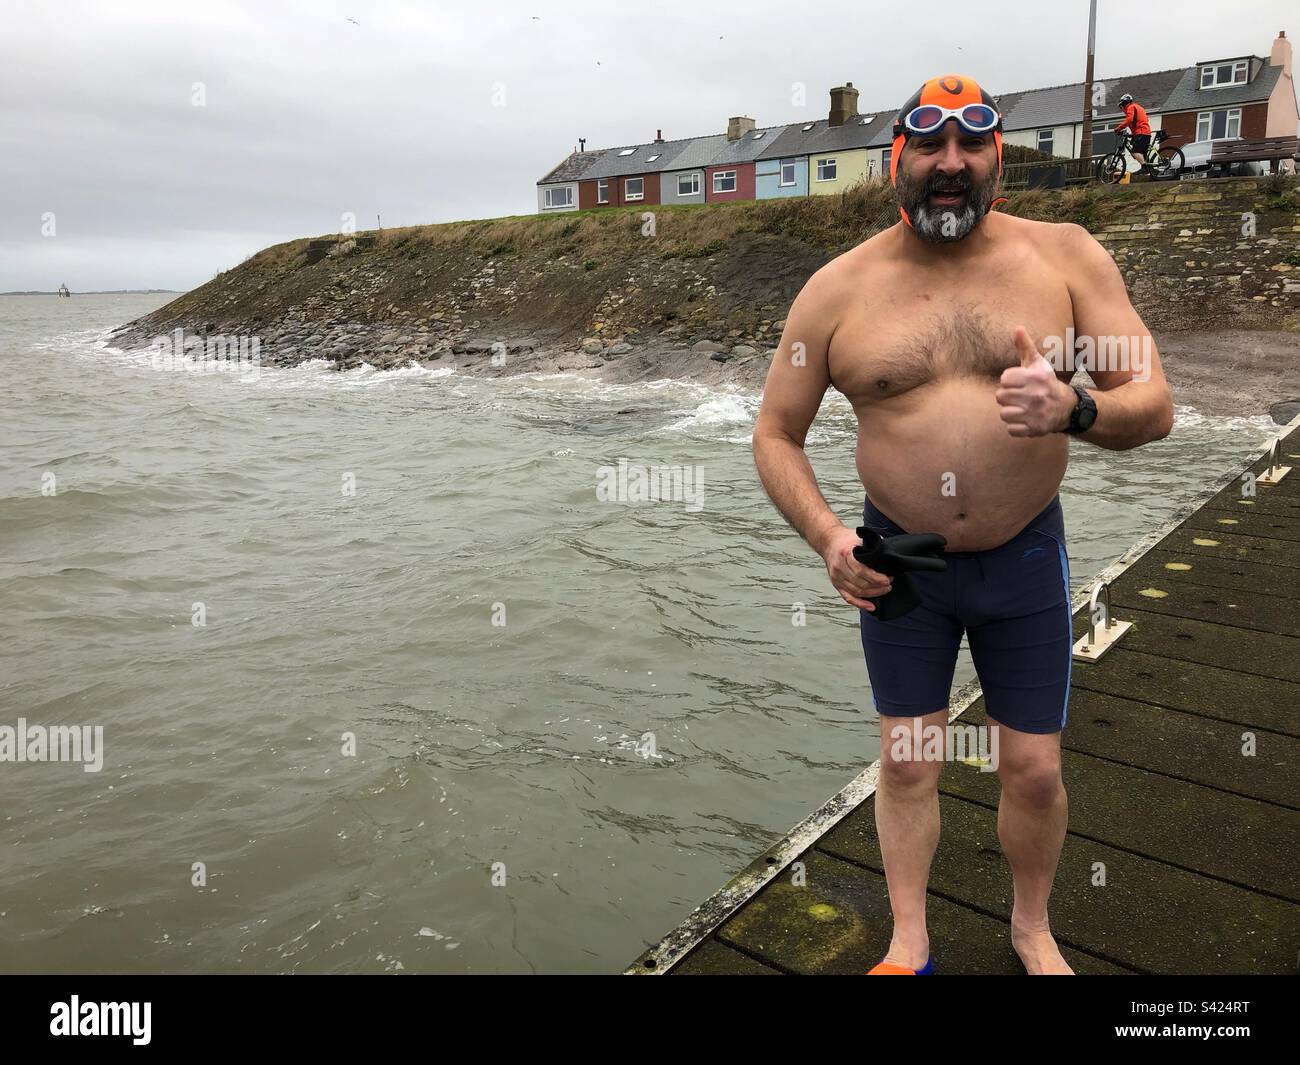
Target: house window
x=1215 y=125
x=688 y=184
x=825 y=169
x=787 y=172
x=1045 y=140
x=561 y=197
x=724 y=181
x=602 y=190
x=634 y=189
x=1224 y=74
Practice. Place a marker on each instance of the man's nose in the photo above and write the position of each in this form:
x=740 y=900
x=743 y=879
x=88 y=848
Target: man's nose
x=950 y=160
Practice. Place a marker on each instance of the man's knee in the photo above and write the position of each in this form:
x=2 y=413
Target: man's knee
x=912 y=749
x=1035 y=782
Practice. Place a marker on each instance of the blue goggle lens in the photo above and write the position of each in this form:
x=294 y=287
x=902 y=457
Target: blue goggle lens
x=979 y=116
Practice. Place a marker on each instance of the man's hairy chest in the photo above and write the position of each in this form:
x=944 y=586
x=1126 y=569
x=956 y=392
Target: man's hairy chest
x=887 y=348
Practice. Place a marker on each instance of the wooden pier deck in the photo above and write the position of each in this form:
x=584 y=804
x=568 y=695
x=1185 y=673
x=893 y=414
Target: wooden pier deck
x=1199 y=842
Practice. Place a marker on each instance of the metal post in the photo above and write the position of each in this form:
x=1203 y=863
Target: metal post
x=1085 y=143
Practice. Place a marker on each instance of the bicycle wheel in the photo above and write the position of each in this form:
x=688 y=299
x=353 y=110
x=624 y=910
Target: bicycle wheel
x=1110 y=168
x=1173 y=163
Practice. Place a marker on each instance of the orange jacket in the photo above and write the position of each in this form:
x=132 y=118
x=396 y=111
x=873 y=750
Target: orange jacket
x=1135 y=119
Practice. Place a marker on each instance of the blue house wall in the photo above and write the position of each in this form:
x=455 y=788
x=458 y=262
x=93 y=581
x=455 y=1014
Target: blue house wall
x=767 y=178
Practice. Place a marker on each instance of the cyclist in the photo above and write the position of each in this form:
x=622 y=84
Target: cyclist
x=1135 y=122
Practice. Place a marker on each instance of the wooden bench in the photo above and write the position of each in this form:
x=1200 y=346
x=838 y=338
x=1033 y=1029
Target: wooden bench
x=1270 y=149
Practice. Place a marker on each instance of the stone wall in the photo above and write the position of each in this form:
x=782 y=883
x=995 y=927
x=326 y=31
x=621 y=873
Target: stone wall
x=1196 y=253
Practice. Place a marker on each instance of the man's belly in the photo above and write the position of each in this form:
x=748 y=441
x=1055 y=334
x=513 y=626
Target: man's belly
x=942 y=461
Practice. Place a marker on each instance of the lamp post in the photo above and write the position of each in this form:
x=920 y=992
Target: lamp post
x=1085 y=141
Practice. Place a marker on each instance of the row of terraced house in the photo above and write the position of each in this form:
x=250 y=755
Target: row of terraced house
x=1240 y=96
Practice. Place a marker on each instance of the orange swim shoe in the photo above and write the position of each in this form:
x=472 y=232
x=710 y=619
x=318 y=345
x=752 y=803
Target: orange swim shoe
x=889 y=968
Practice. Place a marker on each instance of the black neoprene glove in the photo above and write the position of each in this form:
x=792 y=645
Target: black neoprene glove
x=895 y=556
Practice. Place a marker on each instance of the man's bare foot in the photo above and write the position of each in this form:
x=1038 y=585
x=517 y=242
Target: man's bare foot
x=1038 y=951
x=911 y=951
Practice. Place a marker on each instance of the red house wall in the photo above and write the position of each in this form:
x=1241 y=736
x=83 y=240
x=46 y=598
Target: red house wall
x=587 y=192
x=1182 y=125
x=745 y=186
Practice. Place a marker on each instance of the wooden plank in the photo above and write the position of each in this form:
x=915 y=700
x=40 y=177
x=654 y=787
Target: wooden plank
x=1201 y=602
x=713 y=958
x=1271 y=552
x=1246 y=650
x=1251 y=578
x=1192 y=687
x=1249 y=521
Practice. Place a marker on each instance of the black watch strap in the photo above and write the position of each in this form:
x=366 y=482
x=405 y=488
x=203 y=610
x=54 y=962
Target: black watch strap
x=1084 y=413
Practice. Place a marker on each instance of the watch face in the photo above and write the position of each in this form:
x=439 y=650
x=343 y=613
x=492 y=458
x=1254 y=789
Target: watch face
x=1087 y=416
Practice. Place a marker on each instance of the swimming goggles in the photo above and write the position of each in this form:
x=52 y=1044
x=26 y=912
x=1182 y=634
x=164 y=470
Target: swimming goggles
x=929 y=118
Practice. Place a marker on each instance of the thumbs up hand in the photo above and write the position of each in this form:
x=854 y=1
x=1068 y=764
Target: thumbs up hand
x=1032 y=400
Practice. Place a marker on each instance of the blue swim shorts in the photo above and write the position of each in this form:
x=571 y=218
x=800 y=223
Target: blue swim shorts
x=1013 y=603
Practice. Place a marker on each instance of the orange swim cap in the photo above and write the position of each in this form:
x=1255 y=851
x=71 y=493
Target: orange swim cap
x=949 y=91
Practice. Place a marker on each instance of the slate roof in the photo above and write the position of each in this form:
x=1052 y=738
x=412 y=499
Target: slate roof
x=572 y=167
x=749 y=147
x=698 y=153
x=611 y=164
x=1189 y=97
x=823 y=137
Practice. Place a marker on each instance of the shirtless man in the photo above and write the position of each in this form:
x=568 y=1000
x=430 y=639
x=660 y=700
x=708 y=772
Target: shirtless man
x=932 y=330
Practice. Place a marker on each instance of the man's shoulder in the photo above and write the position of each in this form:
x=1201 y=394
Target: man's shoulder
x=848 y=265
x=1049 y=236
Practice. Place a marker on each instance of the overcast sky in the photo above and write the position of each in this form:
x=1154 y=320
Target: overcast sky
x=435 y=111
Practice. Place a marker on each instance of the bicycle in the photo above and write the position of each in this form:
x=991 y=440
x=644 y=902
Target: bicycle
x=1112 y=168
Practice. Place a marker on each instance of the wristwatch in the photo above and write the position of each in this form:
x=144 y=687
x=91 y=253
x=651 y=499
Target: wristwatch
x=1084 y=413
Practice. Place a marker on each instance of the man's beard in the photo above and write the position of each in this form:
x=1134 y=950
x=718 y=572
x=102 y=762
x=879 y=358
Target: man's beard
x=944 y=224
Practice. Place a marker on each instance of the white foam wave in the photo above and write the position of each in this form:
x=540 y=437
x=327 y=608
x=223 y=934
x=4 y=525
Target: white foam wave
x=1187 y=417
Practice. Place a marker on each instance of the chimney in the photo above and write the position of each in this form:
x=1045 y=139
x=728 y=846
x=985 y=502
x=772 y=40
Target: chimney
x=582 y=144
x=1280 y=56
x=844 y=104
x=659 y=136
x=738 y=126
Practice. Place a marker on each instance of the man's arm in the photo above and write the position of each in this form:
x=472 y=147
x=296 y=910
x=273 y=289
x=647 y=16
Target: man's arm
x=796 y=382
x=1134 y=404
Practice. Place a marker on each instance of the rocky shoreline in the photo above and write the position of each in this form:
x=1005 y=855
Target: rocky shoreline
x=739 y=359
